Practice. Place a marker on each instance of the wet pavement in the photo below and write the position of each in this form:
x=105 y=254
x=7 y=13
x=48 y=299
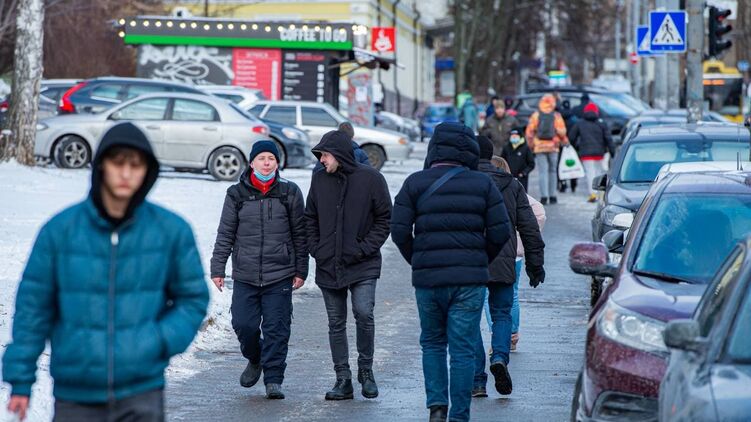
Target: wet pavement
x=550 y=352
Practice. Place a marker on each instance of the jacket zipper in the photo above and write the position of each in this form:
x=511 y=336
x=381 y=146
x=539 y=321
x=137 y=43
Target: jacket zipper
x=114 y=240
x=260 y=263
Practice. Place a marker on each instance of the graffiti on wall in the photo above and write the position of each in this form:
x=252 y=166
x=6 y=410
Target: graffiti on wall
x=189 y=64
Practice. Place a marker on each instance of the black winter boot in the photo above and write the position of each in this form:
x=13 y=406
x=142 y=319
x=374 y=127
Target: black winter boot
x=502 y=378
x=544 y=200
x=369 y=387
x=250 y=375
x=439 y=413
x=342 y=390
x=274 y=392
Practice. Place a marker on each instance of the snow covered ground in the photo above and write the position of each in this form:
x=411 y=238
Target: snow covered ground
x=30 y=196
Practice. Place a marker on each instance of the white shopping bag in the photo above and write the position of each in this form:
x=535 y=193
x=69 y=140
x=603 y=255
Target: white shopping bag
x=570 y=166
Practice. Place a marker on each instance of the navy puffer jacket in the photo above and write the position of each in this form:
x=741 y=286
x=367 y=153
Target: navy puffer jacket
x=450 y=238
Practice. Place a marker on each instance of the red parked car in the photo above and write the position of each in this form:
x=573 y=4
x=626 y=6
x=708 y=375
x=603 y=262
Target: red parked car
x=687 y=225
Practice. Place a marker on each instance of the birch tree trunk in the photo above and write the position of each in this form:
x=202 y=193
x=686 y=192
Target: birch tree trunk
x=27 y=74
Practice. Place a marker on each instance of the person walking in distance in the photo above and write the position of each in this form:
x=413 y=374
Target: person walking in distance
x=591 y=138
x=546 y=131
x=347 y=218
x=498 y=127
x=504 y=274
x=263 y=229
x=520 y=159
x=449 y=222
x=116 y=285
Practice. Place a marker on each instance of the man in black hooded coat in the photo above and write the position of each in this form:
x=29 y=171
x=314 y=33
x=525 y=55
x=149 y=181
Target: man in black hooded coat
x=347 y=217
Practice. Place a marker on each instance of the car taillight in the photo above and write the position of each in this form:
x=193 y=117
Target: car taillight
x=263 y=130
x=66 y=106
x=4 y=106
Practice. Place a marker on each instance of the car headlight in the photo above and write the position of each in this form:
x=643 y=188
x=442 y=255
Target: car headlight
x=631 y=329
x=292 y=133
x=41 y=126
x=403 y=141
x=610 y=211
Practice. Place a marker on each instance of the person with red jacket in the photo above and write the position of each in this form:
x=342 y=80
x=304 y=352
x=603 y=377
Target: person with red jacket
x=591 y=138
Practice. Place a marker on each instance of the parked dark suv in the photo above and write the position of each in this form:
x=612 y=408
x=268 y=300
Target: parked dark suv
x=99 y=94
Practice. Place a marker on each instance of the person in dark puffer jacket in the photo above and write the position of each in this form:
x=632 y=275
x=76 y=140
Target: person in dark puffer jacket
x=449 y=238
x=262 y=227
x=519 y=157
x=503 y=273
x=115 y=284
x=360 y=155
x=591 y=138
x=347 y=217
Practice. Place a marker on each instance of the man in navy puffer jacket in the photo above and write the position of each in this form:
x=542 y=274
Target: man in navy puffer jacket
x=115 y=283
x=449 y=238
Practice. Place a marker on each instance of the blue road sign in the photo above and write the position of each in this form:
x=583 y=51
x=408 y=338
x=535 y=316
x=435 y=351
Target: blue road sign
x=667 y=31
x=642 y=41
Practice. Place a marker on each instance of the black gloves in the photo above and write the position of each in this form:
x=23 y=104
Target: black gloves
x=536 y=276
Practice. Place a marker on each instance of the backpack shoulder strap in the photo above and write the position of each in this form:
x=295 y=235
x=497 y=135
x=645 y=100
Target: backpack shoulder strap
x=438 y=183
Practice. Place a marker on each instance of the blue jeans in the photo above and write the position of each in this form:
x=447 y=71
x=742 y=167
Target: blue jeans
x=449 y=316
x=500 y=300
x=514 y=307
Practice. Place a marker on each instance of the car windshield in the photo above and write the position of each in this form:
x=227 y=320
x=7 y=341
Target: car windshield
x=689 y=235
x=643 y=160
x=739 y=347
x=244 y=113
x=441 y=112
x=612 y=106
x=630 y=101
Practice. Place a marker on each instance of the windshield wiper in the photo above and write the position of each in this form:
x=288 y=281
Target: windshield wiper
x=663 y=276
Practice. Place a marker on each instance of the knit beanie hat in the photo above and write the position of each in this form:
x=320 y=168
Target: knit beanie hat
x=486 y=147
x=263 y=146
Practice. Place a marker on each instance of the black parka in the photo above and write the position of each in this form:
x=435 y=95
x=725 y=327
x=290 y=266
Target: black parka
x=591 y=137
x=347 y=217
x=266 y=238
x=503 y=267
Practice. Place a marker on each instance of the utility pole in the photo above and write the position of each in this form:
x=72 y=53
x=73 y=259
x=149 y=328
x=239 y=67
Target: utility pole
x=618 y=9
x=635 y=70
x=674 y=69
x=695 y=35
x=661 y=72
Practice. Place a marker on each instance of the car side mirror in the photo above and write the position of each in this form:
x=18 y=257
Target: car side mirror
x=600 y=183
x=683 y=334
x=623 y=220
x=88 y=109
x=591 y=258
x=614 y=241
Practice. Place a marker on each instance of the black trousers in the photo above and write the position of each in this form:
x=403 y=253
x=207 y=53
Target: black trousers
x=145 y=407
x=262 y=319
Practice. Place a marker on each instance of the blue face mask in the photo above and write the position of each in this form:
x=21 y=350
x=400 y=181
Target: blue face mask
x=263 y=178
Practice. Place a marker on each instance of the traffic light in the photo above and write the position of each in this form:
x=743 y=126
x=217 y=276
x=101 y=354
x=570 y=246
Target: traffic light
x=717 y=29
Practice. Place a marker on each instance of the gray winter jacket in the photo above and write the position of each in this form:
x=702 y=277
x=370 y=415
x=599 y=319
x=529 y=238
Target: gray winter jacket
x=266 y=243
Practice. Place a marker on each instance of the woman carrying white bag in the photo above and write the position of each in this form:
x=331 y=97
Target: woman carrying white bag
x=591 y=138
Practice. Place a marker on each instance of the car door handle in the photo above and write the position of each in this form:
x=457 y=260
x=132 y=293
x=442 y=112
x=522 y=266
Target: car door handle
x=153 y=127
x=210 y=128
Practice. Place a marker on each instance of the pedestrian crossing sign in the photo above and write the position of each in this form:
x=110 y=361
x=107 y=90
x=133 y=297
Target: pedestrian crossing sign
x=642 y=41
x=667 y=31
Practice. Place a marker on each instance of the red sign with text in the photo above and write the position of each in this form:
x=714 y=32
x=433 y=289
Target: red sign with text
x=258 y=69
x=383 y=39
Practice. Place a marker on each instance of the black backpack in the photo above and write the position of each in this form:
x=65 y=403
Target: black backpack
x=546 y=126
x=240 y=194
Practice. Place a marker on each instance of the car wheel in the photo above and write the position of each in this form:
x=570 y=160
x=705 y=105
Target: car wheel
x=576 y=401
x=72 y=152
x=595 y=291
x=376 y=155
x=226 y=164
x=282 y=154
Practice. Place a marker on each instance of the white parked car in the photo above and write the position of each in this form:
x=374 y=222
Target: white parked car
x=191 y=132
x=240 y=95
x=318 y=118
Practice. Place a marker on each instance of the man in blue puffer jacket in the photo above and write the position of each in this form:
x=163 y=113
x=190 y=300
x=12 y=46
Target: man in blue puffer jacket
x=115 y=283
x=459 y=227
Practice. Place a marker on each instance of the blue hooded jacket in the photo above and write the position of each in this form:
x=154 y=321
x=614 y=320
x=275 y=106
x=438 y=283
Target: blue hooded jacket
x=451 y=237
x=115 y=298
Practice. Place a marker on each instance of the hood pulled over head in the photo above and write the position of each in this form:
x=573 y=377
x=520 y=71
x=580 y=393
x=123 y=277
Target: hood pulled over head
x=453 y=142
x=338 y=144
x=547 y=103
x=125 y=135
